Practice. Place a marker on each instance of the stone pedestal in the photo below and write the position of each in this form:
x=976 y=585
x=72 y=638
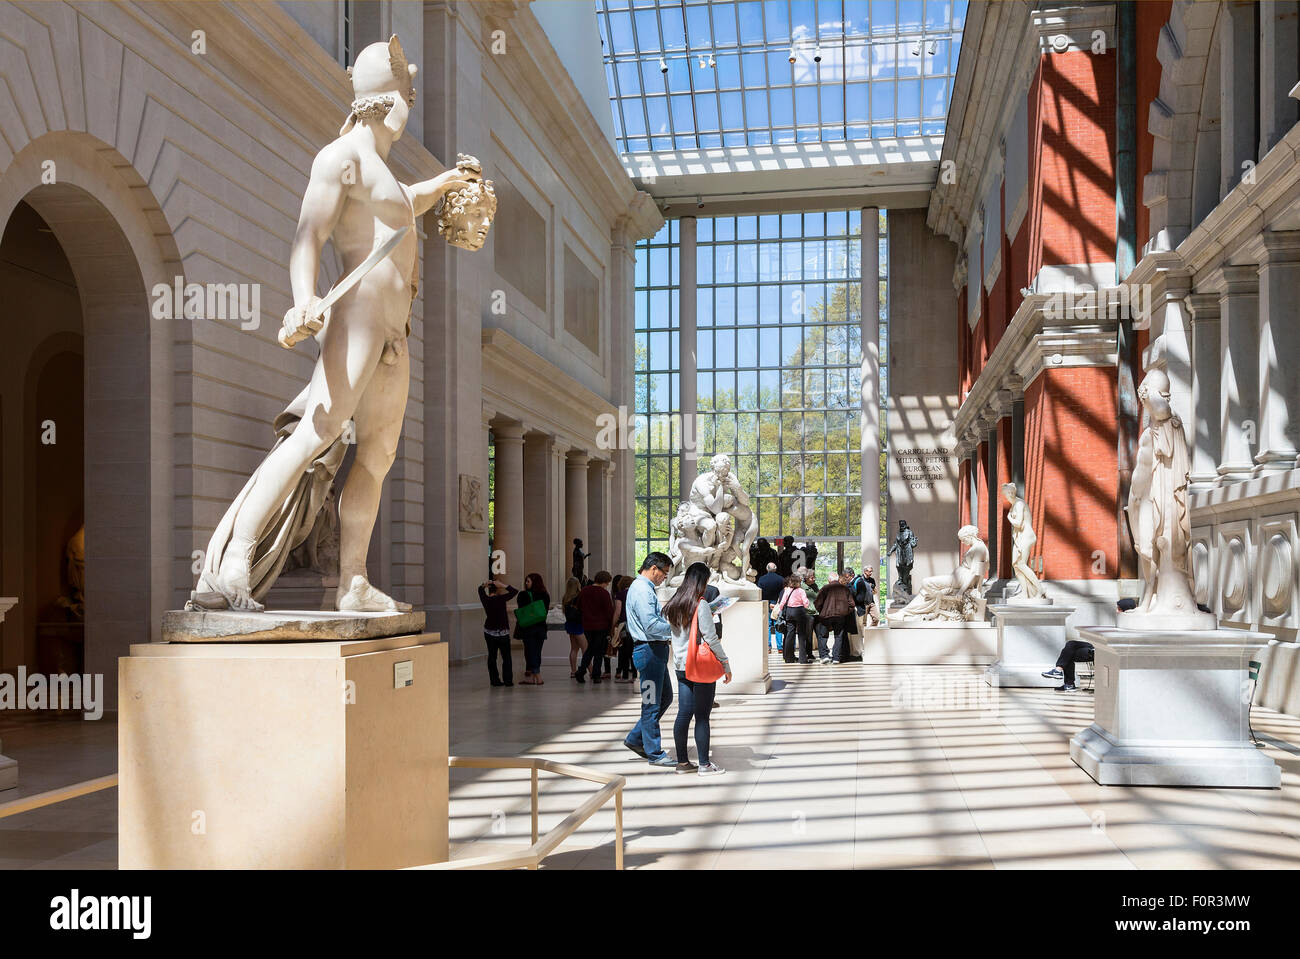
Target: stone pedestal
x=314 y=754
x=744 y=637
x=8 y=767
x=929 y=644
x=1030 y=638
x=1171 y=710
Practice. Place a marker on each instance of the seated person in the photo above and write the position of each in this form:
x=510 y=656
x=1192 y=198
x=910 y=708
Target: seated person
x=1077 y=651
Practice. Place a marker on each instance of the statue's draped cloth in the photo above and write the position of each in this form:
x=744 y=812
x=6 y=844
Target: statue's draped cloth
x=1169 y=478
x=288 y=528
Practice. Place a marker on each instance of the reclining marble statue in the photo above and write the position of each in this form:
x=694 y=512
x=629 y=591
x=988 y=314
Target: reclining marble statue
x=715 y=526
x=957 y=597
x=358 y=389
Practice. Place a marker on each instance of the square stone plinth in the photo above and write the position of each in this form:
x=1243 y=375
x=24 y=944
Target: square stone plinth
x=930 y=644
x=270 y=626
x=744 y=637
x=1171 y=710
x=286 y=755
x=1030 y=639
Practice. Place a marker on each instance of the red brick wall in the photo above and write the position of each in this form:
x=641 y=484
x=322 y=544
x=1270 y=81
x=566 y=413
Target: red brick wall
x=1003 y=567
x=963 y=491
x=1072 y=159
x=1070 y=469
x=1151 y=16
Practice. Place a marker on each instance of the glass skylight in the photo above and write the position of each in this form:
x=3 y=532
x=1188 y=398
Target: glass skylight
x=696 y=74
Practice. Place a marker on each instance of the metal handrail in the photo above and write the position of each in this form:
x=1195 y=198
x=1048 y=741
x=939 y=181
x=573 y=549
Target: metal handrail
x=611 y=785
x=37 y=800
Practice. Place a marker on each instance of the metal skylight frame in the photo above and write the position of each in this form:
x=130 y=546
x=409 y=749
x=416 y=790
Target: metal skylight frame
x=931 y=23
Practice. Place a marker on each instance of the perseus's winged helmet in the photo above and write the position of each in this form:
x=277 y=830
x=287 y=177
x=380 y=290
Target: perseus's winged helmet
x=379 y=74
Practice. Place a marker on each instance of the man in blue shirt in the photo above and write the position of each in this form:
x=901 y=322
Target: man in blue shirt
x=651 y=646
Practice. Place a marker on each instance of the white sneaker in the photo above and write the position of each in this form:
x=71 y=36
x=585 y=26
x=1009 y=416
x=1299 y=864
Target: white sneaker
x=711 y=769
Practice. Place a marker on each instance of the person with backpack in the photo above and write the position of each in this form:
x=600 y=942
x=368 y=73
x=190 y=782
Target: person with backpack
x=691 y=620
x=864 y=595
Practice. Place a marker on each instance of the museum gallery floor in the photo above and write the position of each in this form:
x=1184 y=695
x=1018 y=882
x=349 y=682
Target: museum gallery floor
x=844 y=766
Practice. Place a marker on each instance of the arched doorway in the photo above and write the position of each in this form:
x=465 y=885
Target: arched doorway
x=75 y=398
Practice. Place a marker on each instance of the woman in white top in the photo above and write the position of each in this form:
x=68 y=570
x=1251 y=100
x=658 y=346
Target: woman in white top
x=688 y=606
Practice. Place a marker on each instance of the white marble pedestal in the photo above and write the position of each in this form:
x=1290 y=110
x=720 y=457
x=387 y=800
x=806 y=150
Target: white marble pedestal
x=1171 y=710
x=283 y=755
x=8 y=767
x=1030 y=638
x=744 y=637
x=936 y=643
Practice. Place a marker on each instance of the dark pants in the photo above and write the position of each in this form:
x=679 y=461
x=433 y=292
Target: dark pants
x=1075 y=651
x=625 y=657
x=533 y=637
x=798 y=627
x=839 y=625
x=694 y=700
x=499 y=645
x=597 y=639
x=651 y=661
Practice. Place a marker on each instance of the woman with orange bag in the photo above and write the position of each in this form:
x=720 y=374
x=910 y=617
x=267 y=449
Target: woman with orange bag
x=700 y=662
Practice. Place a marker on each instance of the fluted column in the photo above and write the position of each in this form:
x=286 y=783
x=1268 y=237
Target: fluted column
x=1279 y=347
x=508 y=499
x=1204 y=431
x=575 y=504
x=1239 y=372
x=870 y=385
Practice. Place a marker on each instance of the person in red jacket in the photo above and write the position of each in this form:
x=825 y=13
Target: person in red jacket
x=597 y=608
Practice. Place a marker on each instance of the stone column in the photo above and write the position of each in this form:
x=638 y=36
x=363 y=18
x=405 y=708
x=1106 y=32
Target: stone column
x=1279 y=348
x=1279 y=69
x=575 y=507
x=1171 y=347
x=1204 y=431
x=541 y=493
x=1237 y=86
x=687 y=462
x=508 y=497
x=989 y=423
x=1238 y=371
x=622 y=285
x=598 y=533
x=870 y=384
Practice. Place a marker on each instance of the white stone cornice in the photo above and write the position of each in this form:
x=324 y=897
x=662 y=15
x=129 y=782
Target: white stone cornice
x=959 y=273
x=1062 y=348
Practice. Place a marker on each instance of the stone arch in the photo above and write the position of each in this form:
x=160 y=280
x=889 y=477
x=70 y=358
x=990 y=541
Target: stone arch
x=1184 y=50
x=118 y=246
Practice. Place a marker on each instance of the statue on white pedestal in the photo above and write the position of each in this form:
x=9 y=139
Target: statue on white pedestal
x=358 y=390
x=1159 y=519
x=715 y=526
x=958 y=597
x=1022 y=545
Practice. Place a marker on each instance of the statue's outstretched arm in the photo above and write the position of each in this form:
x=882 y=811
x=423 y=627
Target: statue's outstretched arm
x=427 y=192
x=322 y=204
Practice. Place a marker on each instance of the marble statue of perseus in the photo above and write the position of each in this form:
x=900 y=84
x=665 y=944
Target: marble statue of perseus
x=1022 y=544
x=1158 y=516
x=956 y=597
x=363 y=371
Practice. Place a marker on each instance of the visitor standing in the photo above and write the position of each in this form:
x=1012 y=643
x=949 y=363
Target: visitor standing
x=573 y=624
x=623 y=666
x=771 y=584
x=651 y=637
x=496 y=630
x=691 y=619
x=835 y=607
x=597 y=609
x=533 y=634
x=792 y=610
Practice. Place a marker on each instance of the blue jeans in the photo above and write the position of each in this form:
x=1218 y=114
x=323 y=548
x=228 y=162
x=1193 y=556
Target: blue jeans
x=651 y=660
x=695 y=702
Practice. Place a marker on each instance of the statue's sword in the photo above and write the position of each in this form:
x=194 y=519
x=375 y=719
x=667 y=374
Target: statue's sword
x=378 y=254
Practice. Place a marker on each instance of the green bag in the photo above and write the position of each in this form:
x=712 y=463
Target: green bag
x=530 y=614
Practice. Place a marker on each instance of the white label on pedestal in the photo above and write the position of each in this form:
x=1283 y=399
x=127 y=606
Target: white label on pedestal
x=403 y=674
